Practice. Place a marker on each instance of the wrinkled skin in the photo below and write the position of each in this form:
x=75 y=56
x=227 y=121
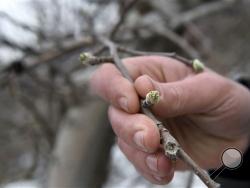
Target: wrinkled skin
x=206 y=113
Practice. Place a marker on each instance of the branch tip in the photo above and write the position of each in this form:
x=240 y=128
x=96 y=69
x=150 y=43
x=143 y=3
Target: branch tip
x=152 y=97
x=85 y=56
x=198 y=66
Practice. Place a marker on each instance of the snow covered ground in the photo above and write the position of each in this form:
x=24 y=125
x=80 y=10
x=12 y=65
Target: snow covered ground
x=23 y=184
x=123 y=175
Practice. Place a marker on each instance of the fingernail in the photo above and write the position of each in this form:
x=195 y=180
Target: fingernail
x=123 y=102
x=138 y=139
x=151 y=161
x=158 y=178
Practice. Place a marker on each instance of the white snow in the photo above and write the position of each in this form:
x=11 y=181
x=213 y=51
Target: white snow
x=23 y=184
x=124 y=175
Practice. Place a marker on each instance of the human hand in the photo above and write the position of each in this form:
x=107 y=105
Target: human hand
x=205 y=112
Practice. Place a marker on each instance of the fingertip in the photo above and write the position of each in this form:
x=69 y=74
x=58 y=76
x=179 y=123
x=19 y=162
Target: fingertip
x=121 y=93
x=143 y=85
x=165 y=165
x=137 y=130
x=108 y=83
x=99 y=79
x=159 y=164
x=128 y=101
x=151 y=137
x=164 y=180
x=158 y=180
x=133 y=103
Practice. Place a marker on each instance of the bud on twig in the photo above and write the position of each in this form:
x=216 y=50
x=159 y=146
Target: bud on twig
x=152 y=97
x=198 y=66
x=85 y=56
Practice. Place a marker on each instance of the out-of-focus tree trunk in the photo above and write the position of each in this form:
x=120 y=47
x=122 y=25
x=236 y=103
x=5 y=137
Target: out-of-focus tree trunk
x=82 y=150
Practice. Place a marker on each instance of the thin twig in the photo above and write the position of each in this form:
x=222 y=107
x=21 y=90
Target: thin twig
x=174 y=55
x=51 y=94
x=114 y=53
x=171 y=146
x=27 y=49
x=203 y=175
x=99 y=60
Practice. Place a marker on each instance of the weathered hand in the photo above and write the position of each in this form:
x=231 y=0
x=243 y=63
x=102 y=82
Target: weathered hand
x=205 y=112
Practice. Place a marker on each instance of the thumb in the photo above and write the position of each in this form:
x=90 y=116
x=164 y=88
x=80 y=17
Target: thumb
x=187 y=96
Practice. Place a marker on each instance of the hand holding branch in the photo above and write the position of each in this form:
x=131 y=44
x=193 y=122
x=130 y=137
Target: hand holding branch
x=197 y=109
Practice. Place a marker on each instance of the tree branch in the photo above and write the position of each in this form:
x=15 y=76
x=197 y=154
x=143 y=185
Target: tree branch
x=23 y=48
x=122 y=18
x=175 y=39
x=200 y=11
x=89 y=59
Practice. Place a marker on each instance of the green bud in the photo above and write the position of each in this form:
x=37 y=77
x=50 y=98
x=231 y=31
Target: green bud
x=85 y=56
x=153 y=97
x=198 y=66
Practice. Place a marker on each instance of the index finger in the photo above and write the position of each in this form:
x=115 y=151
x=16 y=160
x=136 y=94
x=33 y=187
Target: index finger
x=108 y=83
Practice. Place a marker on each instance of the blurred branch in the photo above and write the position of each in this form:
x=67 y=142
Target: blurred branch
x=51 y=54
x=122 y=17
x=198 y=39
x=51 y=94
x=28 y=50
x=175 y=39
x=48 y=133
x=29 y=64
x=19 y=24
x=200 y=11
x=163 y=31
x=93 y=60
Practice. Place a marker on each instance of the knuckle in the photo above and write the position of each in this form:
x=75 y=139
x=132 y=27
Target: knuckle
x=144 y=120
x=122 y=146
x=177 y=98
x=105 y=66
x=115 y=123
x=117 y=129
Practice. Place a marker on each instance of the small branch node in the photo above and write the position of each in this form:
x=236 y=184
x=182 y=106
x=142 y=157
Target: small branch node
x=170 y=144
